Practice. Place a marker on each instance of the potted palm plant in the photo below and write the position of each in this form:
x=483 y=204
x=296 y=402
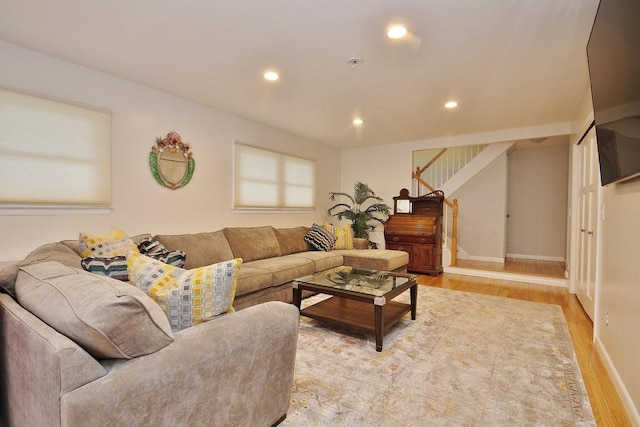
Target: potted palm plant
x=364 y=209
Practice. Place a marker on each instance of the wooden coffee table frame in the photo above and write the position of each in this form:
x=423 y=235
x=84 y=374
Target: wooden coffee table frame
x=359 y=311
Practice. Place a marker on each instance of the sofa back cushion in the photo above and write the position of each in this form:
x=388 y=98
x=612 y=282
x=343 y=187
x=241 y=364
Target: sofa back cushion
x=252 y=243
x=66 y=252
x=109 y=318
x=291 y=240
x=200 y=248
x=57 y=251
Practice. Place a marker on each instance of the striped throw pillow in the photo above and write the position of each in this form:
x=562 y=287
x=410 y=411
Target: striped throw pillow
x=320 y=238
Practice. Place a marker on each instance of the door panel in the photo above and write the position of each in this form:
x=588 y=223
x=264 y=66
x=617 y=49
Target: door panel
x=588 y=192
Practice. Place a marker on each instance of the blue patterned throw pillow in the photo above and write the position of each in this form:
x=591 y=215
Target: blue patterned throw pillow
x=116 y=267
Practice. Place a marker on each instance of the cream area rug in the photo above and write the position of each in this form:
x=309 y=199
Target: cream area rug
x=467 y=360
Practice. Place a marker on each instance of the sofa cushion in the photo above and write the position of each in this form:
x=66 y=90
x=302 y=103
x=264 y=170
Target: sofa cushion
x=110 y=319
x=251 y=243
x=284 y=268
x=201 y=248
x=343 y=235
x=375 y=259
x=319 y=238
x=322 y=260
x=188 y=297
x=116 y=243
x=57 y=251
x=291 y=240
x=253 y=279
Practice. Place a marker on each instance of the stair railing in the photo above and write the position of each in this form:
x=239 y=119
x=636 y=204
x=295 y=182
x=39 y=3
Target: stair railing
x=453 y=205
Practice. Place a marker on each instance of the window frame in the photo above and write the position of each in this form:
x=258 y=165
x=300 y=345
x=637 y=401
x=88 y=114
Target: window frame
x=280 y=181
x=97 y=157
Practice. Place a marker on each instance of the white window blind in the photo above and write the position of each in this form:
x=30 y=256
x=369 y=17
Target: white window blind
x=270 y=180
x=53 y=153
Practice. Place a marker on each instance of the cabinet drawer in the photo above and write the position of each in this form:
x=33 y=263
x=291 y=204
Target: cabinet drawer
x=408 y=238
x=399 y=247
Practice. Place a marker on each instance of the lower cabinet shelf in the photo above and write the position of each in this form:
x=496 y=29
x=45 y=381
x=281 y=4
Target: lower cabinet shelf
x=423 y=258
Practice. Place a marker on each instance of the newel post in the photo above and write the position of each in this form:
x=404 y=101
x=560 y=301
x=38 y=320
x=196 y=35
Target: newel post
x=454 y=233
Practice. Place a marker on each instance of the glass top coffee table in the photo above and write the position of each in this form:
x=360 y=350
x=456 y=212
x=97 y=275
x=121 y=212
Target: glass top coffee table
x=360 y=299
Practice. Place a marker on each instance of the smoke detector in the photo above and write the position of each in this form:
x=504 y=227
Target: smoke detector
x=354 y=61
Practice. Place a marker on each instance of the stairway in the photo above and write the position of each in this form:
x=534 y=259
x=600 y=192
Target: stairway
x=449 y=169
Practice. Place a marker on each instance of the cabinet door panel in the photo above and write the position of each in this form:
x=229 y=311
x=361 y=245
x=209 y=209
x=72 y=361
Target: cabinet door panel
x=407 y=247
x=424 y=257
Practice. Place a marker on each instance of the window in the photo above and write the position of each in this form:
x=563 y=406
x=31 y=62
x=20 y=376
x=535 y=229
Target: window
x=270 y=180
x=53 y=154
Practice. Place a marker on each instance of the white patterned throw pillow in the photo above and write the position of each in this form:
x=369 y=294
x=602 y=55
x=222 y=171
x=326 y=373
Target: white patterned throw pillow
x=116 y=243
x=188 y=297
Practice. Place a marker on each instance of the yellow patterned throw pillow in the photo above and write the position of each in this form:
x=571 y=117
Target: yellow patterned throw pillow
x=343 y=234
x=116 y=243
x=188 y=297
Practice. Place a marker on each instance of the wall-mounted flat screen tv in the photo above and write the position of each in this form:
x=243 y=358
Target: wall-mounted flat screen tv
x=613 y=53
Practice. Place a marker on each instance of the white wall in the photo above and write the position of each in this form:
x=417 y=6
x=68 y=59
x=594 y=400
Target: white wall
x=618 y=287
x=139 y=114
x=538 y=185
x=619 y=294
x=388 y=168
x=482 y=204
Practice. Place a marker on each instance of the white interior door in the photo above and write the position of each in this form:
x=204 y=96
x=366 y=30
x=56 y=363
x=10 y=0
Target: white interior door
x=588 y=221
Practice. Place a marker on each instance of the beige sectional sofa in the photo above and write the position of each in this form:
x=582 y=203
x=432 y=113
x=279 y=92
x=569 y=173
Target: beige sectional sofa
x=236 y=369
x=274 y=257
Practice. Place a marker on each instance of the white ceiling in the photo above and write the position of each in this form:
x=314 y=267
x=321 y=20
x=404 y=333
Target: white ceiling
x=509 y=63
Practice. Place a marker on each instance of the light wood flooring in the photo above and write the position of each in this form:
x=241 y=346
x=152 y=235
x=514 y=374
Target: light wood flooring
x=605 y=402
x=518 y=265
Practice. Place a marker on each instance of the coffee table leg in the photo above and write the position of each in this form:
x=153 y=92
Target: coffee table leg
x=379 y=314
x=297 y=297
x=414 y=300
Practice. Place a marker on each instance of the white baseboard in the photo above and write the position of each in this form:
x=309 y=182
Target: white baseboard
x=632 y=411
x=537 y=257
x=514 y=277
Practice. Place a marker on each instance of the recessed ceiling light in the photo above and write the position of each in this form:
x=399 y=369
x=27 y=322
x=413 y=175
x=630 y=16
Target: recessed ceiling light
x=451 y=104
x=396 y=32
x=271 y=75
x=358 y=121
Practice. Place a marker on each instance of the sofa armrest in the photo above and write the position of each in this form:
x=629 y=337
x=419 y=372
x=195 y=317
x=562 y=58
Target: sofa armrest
x=37 y=365
x=234 y=370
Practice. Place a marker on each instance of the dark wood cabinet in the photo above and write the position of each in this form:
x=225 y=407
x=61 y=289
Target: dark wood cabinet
x=416 y=228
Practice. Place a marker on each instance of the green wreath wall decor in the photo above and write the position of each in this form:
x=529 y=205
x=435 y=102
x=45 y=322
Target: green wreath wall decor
x=171 y=161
